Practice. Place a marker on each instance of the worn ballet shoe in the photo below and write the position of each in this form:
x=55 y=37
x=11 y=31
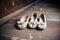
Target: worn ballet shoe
x=33 y=21
x=23 y=22
x=42 y=22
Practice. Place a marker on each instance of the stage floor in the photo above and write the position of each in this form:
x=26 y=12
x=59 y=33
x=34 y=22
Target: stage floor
x=9 y=32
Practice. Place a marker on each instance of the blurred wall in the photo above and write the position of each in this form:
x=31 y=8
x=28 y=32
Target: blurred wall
x=9 y=6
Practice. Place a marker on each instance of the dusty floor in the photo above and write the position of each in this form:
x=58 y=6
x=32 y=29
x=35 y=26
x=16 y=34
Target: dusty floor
x=8 y=31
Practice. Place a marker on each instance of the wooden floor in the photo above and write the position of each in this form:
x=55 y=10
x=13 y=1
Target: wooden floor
x=9 y=31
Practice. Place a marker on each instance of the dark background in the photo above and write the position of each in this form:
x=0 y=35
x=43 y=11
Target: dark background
x=7 y=8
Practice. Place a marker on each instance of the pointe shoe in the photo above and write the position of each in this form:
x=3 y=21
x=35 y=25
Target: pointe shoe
x=23 y=22
x=42 y=22
x=33 y=21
